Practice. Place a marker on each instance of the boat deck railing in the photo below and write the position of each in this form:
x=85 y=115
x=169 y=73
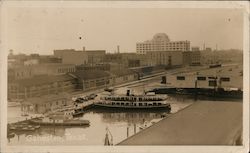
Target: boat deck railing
x=134 y=98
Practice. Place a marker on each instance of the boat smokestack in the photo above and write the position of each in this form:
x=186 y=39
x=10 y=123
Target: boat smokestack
x=128 y=92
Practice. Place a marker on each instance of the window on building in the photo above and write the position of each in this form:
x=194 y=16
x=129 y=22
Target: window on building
x=201 y=78
x=211 y=77
x=225 y=79
x=180 y=78
x=212 y=83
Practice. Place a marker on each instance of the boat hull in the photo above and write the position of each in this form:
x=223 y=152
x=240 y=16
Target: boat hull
x=132 y=107
x=71 y=123
x=200 y=91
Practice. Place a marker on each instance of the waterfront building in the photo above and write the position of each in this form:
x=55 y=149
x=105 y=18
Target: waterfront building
x=120 y=76
x=91 y=79
x=226 y=77
x=39 y=86
x=46 y=103
x=161 y=42
x=147 y=70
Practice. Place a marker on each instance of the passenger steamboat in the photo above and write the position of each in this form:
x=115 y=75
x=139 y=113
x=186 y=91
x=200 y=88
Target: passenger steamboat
x=130 y=101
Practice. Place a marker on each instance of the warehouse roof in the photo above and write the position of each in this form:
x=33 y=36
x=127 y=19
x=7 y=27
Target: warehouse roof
x=47 y=98
x=122 y=72
x=203 y=123
x=43 y=79
x=90 y=74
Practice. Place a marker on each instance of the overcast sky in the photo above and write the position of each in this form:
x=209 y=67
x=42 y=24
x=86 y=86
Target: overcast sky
x=41 y=30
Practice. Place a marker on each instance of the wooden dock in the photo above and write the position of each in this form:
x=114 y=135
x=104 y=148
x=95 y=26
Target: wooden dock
x=83 y=107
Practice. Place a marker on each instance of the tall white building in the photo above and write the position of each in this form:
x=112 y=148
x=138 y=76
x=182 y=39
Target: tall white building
x=161 y=42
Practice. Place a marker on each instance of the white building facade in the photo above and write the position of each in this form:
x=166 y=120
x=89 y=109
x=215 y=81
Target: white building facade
x=161 y=42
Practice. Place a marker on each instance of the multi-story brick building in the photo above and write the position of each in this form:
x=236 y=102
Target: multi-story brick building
x=71 y=56
x=192 y=58
x=125 y=59
x=167 y=58
x=33 y=59
x=28 y=71
x=95 y=56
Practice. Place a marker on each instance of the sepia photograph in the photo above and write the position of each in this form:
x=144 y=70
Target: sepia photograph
x=122 y=75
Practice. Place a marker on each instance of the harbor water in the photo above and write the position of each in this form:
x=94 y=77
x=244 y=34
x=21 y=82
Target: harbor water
x=120 y=123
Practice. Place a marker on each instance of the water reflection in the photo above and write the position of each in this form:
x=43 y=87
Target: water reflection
x=117 y=121
x=129 y=116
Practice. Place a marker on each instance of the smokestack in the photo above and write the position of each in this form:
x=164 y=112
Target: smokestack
x=83 y=48
x=128 y=92
x=118 y=49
